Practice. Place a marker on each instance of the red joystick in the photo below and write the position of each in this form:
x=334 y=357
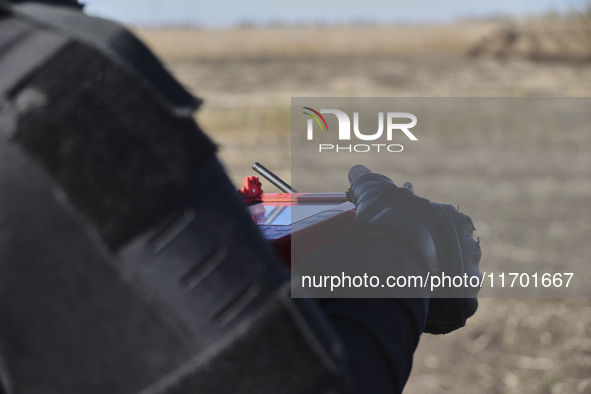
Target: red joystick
x=251 y=188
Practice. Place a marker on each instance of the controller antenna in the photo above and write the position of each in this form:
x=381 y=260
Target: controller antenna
x=274 y=179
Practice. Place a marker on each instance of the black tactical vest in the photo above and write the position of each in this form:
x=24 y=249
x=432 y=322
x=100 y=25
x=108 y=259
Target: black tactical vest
x=127 y=262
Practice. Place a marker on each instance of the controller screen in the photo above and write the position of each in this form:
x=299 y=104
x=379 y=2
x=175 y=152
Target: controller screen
x=284 y=214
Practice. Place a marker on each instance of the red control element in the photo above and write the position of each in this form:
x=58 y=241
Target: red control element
x=251 y=189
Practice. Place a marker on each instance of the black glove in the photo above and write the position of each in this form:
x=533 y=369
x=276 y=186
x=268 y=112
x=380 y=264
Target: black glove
x=438 y=232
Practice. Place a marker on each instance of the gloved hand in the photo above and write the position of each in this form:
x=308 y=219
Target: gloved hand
x=438 y=232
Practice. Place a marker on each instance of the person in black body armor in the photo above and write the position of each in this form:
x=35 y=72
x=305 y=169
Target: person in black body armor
x=129 y=265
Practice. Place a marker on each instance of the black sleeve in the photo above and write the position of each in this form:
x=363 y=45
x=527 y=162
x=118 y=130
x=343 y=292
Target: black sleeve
x=380 y=335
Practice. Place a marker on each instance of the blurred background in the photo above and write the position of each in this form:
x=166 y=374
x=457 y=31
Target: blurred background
x=247 y=59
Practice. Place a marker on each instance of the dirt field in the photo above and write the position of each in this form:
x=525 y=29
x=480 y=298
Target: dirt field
x=248 y=77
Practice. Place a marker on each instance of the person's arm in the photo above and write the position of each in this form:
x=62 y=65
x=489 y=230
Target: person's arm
x=380 y=335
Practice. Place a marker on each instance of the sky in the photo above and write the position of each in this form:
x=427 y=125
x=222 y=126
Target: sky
x=227 y=13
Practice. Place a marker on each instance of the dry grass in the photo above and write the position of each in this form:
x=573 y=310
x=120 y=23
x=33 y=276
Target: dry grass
x=268 y=120
x=289 y=42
